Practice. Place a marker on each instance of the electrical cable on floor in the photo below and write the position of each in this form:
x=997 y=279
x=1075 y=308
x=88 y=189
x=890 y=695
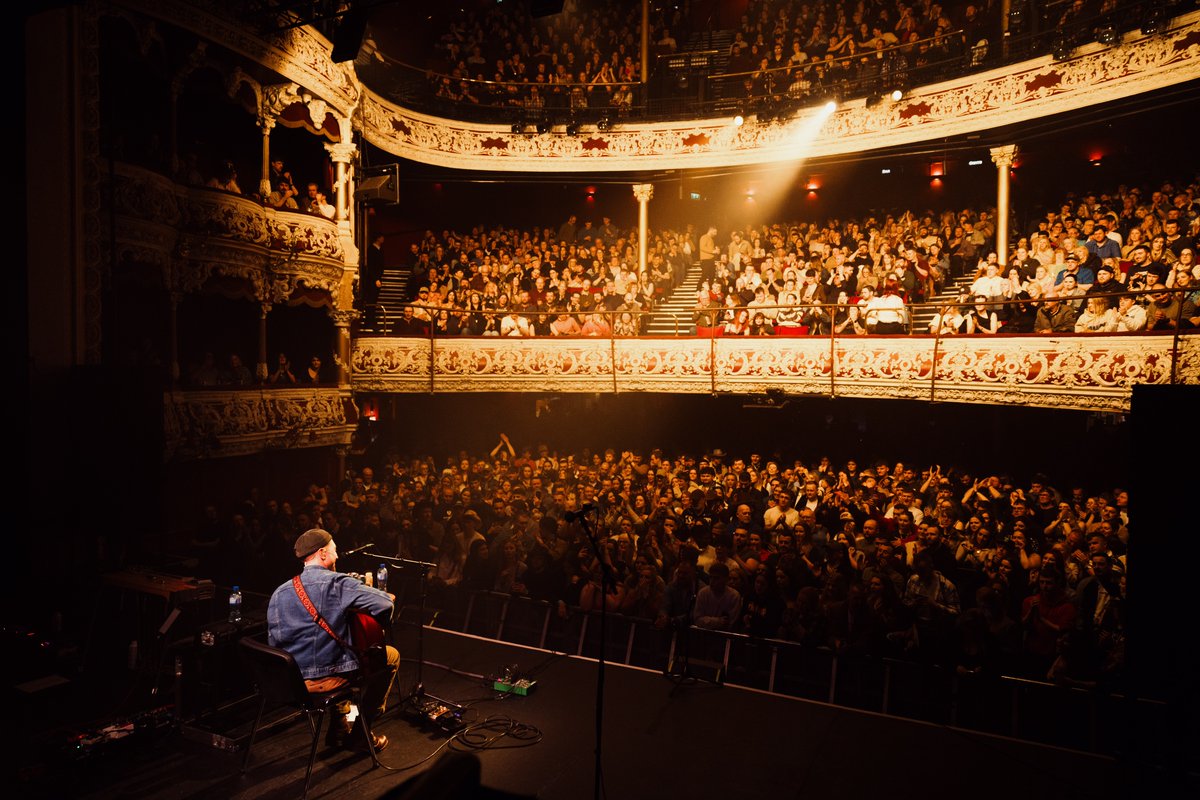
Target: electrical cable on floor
x=482 y=735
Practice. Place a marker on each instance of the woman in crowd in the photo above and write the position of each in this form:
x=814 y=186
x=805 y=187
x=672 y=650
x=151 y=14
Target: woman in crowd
x=982 y=318
x=887 y=313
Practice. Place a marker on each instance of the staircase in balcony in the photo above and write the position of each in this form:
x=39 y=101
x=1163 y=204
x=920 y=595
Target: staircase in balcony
x=674 y=316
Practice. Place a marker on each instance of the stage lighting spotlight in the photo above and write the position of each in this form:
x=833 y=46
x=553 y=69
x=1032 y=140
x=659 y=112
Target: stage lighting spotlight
x=1153 y=22
x=517 y=127
x=831 y=106
x=544 y=126
x=573 y=128
x=739 y=119
x=605 y=124
x=1062 y=48
x=897 y=95
x=1107 y=35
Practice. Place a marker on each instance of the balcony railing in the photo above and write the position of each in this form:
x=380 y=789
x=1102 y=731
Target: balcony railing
x=197 y=232
x=212 y=423
x=1091 y=371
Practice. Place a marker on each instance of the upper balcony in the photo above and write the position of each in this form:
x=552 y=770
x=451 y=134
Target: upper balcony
x=1013 y=81
x=779 y=124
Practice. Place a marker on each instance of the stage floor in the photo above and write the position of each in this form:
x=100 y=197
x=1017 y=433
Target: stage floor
x=662 y=740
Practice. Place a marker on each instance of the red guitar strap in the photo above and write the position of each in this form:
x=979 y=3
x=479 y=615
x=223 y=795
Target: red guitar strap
x=316 y=615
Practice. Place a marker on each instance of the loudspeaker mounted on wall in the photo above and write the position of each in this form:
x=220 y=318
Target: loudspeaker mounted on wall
x=379 y=185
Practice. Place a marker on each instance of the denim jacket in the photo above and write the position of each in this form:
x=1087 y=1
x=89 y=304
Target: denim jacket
x=290 y=627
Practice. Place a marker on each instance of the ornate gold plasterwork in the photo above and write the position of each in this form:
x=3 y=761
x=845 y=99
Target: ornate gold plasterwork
x=986 y=101
x=210 y=424
x=201 y=232
x=1084 y=372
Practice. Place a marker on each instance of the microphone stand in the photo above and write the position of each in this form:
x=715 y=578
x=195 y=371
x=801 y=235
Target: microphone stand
x=607 y=580
x=422 y=568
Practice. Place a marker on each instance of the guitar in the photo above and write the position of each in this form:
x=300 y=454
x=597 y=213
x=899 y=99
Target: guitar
x=366 y=632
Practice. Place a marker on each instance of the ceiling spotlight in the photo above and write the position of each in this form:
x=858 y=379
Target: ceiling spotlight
x=896 y=95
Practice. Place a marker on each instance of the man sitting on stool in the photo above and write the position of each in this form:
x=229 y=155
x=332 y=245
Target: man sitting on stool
x=325 y=661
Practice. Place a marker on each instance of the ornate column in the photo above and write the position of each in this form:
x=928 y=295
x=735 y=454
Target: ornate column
x=266 y=123
x=261 y=369
x=341 y=347
x=643 y=192
x=342 y=154
x=1003 y=158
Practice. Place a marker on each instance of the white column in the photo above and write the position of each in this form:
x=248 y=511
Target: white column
x=1003 y=158
x=342 y=154
x=643 y=192
x=266 y=123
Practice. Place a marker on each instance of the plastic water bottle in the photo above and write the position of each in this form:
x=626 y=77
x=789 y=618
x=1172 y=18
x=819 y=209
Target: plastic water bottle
x=381 y=578
x=235 y=604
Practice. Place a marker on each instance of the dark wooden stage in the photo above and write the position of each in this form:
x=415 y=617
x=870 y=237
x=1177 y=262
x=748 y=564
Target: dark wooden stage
x=662 y=739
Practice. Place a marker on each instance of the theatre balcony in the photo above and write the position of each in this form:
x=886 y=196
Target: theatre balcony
x=220 y=423
x=1084 y=371
x=228 y=270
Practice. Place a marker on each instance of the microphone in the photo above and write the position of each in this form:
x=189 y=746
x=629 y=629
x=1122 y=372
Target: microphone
x=588 y=508
x=359 y=549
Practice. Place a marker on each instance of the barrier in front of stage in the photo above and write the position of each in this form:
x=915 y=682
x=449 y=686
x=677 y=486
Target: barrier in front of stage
x=1029 y=710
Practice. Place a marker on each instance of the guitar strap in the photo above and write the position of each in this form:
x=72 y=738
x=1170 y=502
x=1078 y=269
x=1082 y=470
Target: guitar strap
x=316 y=615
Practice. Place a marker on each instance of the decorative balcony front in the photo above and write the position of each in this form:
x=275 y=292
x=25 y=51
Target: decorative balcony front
x=1093 y=373
x=221 y=423
x=194 y=233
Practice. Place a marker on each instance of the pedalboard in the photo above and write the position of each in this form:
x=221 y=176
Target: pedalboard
x=522 y=687
x=436 y=713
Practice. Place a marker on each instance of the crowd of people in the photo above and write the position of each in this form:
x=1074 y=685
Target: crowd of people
x=234 y=373
x=983 y=573
x=589 y=56
x=1118 y=261
x=283 y=195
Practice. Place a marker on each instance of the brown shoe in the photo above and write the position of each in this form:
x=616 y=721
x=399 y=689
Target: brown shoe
x=356 y=742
